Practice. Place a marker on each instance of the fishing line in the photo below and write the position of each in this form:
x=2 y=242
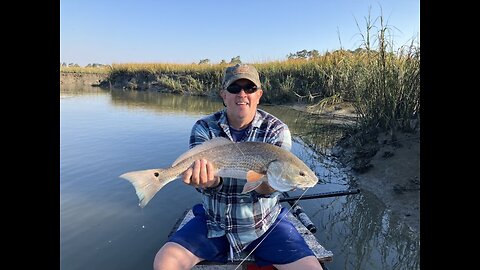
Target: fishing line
x=293 y=205
x=238 y=147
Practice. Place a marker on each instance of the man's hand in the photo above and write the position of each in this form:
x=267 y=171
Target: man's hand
x=201 y=175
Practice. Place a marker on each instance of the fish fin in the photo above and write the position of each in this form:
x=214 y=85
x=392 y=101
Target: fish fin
x=215 y=142
x=146 y=183
x=249 y=186
x=253 y=176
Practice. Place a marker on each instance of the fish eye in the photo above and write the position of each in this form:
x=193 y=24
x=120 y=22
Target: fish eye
x=302 y=174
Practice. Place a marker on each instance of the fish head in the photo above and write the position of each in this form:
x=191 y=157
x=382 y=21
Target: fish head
x=288 y=175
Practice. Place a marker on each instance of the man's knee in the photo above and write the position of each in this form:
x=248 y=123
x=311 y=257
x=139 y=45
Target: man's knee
x=174 y=256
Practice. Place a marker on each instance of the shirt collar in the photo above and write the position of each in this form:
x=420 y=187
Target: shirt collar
x=223 y=120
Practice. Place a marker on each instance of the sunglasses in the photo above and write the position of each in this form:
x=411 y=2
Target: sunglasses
x=235 y=88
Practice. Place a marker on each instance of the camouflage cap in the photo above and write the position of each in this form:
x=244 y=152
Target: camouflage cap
x=240 y=71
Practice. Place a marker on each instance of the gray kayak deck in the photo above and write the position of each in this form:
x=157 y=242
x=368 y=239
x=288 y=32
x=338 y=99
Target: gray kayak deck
x=320 y=252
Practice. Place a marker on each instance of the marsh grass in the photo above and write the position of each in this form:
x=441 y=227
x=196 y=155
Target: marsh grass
x=88 y=70
x=387 y=86
x=177 y=78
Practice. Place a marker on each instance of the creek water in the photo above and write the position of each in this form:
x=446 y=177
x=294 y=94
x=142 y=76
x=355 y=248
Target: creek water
x=104 y=133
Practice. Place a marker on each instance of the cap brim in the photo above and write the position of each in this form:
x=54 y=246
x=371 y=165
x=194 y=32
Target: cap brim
x=242 y=76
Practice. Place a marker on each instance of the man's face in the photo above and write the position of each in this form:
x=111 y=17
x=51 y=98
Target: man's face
x=242 y=105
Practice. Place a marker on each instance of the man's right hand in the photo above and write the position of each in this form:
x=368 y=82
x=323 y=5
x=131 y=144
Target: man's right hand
x=201 y=175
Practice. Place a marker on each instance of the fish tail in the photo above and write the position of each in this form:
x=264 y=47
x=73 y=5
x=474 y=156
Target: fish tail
x=146 y=182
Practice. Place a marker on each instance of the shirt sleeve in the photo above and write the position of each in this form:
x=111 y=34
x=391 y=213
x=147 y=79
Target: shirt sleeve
x=286 y=138
x=281 y=137
x=199 y=134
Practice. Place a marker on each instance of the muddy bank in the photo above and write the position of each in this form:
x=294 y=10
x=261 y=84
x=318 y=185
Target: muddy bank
x=77 y=79
x=389 y=168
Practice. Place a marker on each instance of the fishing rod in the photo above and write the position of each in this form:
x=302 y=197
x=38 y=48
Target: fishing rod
x=320 y=195
x=298 y=212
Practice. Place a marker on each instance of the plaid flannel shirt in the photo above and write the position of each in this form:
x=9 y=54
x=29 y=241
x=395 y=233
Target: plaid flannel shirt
x=241 y=217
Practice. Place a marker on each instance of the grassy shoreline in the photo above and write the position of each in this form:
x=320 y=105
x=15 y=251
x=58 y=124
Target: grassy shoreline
x=384 y=87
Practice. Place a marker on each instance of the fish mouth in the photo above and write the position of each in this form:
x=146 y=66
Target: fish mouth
x=307 y=184
x=286 y=185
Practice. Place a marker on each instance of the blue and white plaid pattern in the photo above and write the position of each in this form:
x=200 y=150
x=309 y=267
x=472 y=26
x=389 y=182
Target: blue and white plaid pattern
x=241 y=217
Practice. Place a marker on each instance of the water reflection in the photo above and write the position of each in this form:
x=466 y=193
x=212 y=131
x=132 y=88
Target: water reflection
x=370 y=222
x=317 y=132
x=358 y=229
x=67 y=91
x=165 y=102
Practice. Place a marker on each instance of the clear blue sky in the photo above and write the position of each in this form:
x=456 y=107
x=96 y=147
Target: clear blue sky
x=186 y=31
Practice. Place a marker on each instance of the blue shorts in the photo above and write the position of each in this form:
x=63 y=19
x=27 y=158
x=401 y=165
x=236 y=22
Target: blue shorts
x=283 y=245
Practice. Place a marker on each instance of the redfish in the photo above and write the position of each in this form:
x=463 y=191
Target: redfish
x=257 y=162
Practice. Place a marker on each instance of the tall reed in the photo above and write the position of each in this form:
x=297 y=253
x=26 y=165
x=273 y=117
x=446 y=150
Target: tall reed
x=387 y=85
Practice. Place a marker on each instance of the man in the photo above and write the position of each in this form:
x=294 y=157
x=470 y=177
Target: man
x=227 y=218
